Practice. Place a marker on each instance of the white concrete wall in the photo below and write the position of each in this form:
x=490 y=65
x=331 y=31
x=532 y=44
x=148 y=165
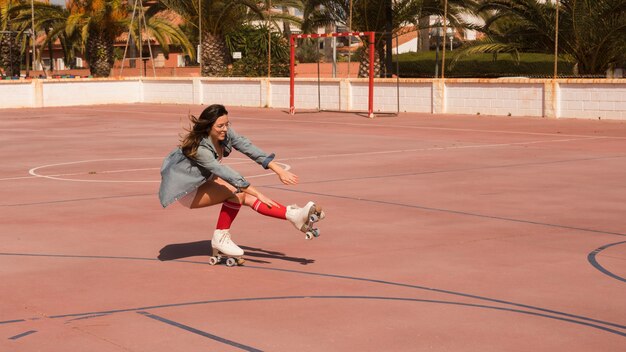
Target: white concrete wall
x=64 y=92
x=569 y=98
x=598 y=100
x=512 y=99
x=233 y=92
x=175 y=91
x=277 y=94
x=306 y=94
x=16 y=94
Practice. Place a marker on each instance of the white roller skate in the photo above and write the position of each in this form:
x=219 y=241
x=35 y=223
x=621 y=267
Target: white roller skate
x=304 y=218
x=224 y=247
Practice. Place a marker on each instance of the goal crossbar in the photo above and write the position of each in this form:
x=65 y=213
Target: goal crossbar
x=292 y=64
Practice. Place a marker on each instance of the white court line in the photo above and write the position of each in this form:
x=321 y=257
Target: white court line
x=440 y=148
x=60 y=177
x=34 y=174
x=379 y=126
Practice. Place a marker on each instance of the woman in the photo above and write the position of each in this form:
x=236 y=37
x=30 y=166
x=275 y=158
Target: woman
x=194 y=176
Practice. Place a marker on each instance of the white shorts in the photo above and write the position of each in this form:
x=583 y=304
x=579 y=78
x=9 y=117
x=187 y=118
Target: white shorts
x=188 y=198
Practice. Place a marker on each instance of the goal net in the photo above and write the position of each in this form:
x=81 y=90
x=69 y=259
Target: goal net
x=306 y=90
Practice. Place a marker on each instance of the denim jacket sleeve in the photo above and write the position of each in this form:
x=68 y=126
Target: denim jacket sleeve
x=207 y=162
x=243 y=145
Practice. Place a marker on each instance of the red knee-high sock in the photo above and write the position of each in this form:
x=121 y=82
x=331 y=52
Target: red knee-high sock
x=227 y=215
x=275 y=212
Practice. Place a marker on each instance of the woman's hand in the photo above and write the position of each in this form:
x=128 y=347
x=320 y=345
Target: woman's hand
x=270 y=203
x=288 y=178
x=260 y=196
x=285 y=176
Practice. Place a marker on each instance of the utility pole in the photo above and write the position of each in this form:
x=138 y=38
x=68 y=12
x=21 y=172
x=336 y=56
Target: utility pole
x=389 y=38
x=556 y=42
x=200 y=34
x=269 y=40
x=350 y=39
x=33 y=37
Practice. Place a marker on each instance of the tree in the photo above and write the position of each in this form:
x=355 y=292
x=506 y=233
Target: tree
x=9 y=45
x=220 y=18
x=92 y=26
x=160 y=26
x=213 y=20
x=98 y=23
x=592 y=34
x=268 y=37
x=252 y=42
x=372 y=16
x=48 y=18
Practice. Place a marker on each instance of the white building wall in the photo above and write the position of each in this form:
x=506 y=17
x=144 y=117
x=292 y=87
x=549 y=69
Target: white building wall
x=407 y=47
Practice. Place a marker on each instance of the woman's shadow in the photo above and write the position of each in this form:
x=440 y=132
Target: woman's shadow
x=203 y=248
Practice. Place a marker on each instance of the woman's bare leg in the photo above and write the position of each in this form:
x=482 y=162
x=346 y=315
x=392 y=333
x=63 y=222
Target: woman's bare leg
x=218 y=191
x=215 y=192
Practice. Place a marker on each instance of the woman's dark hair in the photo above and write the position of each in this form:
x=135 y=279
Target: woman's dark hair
x=201 y=126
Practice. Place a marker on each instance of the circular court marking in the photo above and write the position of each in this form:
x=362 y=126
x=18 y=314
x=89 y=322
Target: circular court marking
x=512 y=306
x=63 y=177
x=594 y=262
x=516 y=308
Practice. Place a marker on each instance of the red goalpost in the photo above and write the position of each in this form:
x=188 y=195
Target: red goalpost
x=292 y=50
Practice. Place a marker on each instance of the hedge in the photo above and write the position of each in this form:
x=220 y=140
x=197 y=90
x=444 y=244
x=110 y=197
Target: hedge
x=422 y=65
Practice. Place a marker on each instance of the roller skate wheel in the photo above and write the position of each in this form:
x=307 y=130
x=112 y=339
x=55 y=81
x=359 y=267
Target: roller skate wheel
x=308 y=235
x=231 y=262
x=314 y=218
x=315 y=232
x=213 y=260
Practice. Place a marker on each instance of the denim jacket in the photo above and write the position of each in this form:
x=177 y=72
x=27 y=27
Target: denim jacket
x=181 y=175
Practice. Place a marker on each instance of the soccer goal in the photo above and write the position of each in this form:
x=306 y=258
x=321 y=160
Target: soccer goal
x=369 y=36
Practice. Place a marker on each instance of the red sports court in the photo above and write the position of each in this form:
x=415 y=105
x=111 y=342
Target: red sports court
x=443 y=233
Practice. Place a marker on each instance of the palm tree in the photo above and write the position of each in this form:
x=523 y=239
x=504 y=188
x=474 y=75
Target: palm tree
x=48 y=18
x=87 y=25
x=252 y=42
x=160 y=26
x=217 y=18
x=9 y=46
x=91 y=27
x=592 y=34
x=99 y=23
